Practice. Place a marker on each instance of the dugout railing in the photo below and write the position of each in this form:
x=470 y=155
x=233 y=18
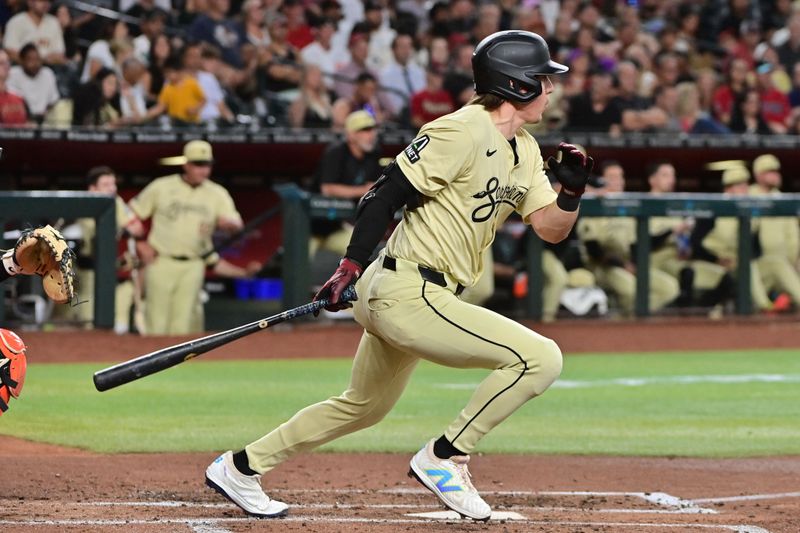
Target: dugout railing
x=299 y=207
x=33 y=208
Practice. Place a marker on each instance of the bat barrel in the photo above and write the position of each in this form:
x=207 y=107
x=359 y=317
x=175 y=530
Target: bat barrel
x=138 y=368
x=173 y=355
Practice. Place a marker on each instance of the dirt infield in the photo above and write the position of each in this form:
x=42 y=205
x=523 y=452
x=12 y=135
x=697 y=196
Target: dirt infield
x=326 y=339
x=48 y=488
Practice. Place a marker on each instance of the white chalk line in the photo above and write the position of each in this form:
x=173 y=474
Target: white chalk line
x=207 y=525
x=334 y=506
x=729 y=379
x=673 y=504
x=748 y=497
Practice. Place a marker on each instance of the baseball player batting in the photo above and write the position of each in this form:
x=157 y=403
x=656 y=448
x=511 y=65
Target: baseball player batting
x=457 y=182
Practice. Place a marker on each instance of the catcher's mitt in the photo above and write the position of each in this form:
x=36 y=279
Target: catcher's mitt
x=44 y=251
x=12 y=367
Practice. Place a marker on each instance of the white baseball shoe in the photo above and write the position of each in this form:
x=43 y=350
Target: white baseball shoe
x=449 y=480
x=244 y=491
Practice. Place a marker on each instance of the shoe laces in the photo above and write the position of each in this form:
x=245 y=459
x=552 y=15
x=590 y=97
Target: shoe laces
x=461 y=462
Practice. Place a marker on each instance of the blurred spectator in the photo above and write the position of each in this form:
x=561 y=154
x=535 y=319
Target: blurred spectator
x=747 y=117
x=576 y=80
x=99 y=54
x=94 y=102
x=794 y=94
x=433 y=101
x=638 y=113
x=34 y=82
x=160 y=52
x=213 y=26
x=706 y=84
x=692 y=118
x=458 y=80
x=688 y=26
x=418 y=9
x=666 y=100
x=365 y=97
x=322 y=54
x=596 y=110
x=12 y=106
x=151 y=25
x=312 y=108
x=668 y=69
x=527 y=17
x=196 y=59
x=461 y=16
x=346 y=75
x=282 y=72
x=733 y=89
x=381 y=35
x=734 y=13
x=745 y=47
x=348 y=169
x=39 y=27
x=437 y=53
x=144 y=6
x=439 y=20
x=775 y=106
x=488 y=22
x=181 y=98
x=789 y=52
x=589 y=16
x=255 y=23
x=132 y=92
x=298 y=32
x=68 y=30
x=404 y=77
x=560 y=41
x=144 y=10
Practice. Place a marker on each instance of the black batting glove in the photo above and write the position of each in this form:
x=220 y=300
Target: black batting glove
x=348 y=273
x=572 y=170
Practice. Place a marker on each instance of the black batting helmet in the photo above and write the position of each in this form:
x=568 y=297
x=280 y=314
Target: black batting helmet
x=506 y=64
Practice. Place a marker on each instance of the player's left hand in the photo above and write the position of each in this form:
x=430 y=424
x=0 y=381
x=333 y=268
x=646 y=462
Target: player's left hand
x=572 y=169
x=348 y=272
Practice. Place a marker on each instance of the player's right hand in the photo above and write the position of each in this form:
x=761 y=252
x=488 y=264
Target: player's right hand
x=572 y=168
x=348 y=272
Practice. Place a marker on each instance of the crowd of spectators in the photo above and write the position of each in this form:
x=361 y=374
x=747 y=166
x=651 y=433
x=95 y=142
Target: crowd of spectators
x=719 y=66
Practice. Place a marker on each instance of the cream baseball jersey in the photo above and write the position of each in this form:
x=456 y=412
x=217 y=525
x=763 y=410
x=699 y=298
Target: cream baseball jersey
x=184 y=217
x=466 y=171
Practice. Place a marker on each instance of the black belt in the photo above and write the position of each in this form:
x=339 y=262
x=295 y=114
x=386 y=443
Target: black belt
x=426 y=273
x=182 y=257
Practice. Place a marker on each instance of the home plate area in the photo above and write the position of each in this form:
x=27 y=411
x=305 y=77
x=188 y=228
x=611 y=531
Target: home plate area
x=381 y=510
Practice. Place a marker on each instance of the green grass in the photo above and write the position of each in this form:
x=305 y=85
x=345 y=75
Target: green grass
x=210 y=405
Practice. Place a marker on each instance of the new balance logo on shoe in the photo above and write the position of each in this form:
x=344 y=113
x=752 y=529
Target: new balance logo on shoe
x=449 y=480
x=442 y=484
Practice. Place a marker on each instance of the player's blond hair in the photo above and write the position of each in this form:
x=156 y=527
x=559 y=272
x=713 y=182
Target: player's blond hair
x=489 y=101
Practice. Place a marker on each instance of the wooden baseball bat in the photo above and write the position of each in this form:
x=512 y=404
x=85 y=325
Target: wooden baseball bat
x=159 y=360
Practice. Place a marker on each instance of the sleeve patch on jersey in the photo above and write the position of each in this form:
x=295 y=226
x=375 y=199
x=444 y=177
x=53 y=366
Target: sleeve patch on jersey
x=412 y=150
